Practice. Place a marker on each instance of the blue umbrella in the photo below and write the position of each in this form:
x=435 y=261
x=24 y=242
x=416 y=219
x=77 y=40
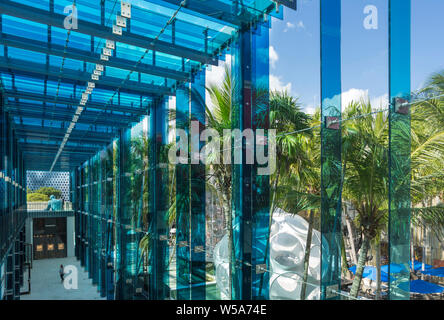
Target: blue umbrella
x=417 y=265
x=438 y=272
x=370 y=273
x=421 y=286
x=394 y=268
x=367 y=270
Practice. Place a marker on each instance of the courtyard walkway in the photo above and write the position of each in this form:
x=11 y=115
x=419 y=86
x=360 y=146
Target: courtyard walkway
x=46 y=284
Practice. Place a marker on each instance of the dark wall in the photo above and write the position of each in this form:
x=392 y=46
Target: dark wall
x=49 y=238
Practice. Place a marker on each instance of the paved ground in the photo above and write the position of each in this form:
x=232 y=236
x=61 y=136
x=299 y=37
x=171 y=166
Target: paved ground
x=46 y=283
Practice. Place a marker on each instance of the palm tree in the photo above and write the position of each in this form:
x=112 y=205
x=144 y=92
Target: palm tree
x=428 y=154
x=365 y=150
x=366 y=155
x=286 y=117
x=292 y=138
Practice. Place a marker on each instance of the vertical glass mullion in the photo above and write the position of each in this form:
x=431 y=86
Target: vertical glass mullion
x=74 y=200
x=137 y=185
x=198 y=197
x=331 y=167
x=250 y=191
x=240 y=274
x=399 y=148
x=81 y=200
x=96 y=235
x=126 y=221
x=158 y=202
x=183 y=259
x=102 y=230
x=84 y=217
x=110 y=221
x=3 y=195
x=88 y=217
x=261 y=182
x=117 y=207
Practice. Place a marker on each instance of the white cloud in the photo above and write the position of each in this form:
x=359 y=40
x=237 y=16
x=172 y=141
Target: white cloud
x=274 y=57
x=381 y=102
x=215 y=74
x=358 y=95
x=277 y=84
x=289 y=25
x=310 y=109
x=298 y=25
x=353 y=95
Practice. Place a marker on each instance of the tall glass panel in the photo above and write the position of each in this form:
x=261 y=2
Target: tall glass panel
x=95 y=234
x=264 y=167
x=364 y=126
x=132 y=190
x=331 y=167
x=294 y=234
x=87 y=217
x=198 y=195
x=234 y=234
x=139 y=152
x=250 y=187
x=112 y=197
x=158 y=201
x=183 y=258
x=241 y=207
x=116 y=215
x=427 y=123
x=127 y=263
x=399 y=150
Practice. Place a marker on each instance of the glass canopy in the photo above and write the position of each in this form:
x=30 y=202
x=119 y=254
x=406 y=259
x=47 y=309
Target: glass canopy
x=50 y=49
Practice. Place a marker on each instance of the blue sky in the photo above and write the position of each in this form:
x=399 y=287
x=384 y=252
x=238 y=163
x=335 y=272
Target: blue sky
x=294 y=50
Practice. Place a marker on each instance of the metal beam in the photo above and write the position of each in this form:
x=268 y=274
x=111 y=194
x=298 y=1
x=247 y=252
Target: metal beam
x=25 y=67
x=31 y=110
x=36 y=161
x=73 y=102
x=97 y=30
x=53 y=131
x=87 y=56
x=48 y=158
x=55 y=169
x=224 y=12
x=217 y=10
x=58 y=139
x=47 y=148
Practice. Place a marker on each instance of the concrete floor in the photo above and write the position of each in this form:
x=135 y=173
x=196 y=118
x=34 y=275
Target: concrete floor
x=46 y=283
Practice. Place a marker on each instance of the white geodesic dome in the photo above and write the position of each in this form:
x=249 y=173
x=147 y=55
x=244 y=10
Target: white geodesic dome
x=287 y=249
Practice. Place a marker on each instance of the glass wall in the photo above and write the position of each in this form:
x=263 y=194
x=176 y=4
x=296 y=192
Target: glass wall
x=304 y=205
x=13 y=208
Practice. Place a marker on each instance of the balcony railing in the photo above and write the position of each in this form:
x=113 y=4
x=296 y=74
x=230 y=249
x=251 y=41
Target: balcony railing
x=43 y=205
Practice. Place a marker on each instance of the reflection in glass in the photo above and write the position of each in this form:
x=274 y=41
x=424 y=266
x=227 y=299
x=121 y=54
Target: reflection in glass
x=331 y=167
x=399 y=150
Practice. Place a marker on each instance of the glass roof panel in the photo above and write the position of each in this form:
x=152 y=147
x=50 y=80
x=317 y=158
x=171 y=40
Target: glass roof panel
x=49 y=67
